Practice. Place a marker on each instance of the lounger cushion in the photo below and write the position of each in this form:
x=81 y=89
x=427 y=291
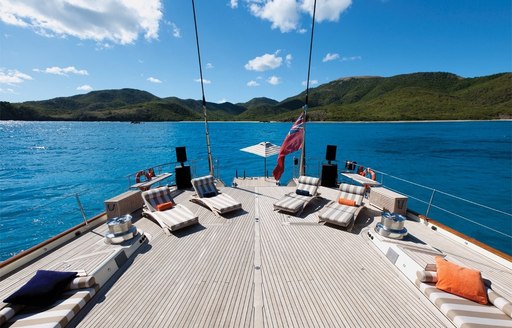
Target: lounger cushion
x=209 y=194
x=223 y=203
x=9 y=311
x=42 y=289
x=340 y=215
x=81 y=282
x=460 y=281
x=57 y=314
x=292 y=203
x=351 y=192
x=309 y=184
x=499 y=301
x=176 y=218
x=426 y=276
x=204 y=185
x=156 y=196
x=463 y=312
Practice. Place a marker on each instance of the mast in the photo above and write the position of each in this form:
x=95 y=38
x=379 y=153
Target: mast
x=302 y=167
x=210 y=160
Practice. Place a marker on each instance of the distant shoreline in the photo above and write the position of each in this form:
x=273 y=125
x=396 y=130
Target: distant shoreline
x=270 y=122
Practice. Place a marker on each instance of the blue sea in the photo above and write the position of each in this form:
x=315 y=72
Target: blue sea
x=44 y=165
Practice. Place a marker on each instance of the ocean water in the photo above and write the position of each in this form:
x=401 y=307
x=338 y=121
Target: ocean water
x=44 y=165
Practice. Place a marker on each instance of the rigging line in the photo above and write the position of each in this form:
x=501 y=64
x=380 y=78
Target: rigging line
x=310 y=53
x=210 y=161
x=302 y=167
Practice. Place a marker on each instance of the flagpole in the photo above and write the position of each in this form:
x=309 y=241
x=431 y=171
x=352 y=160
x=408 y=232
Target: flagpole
x=302 y=167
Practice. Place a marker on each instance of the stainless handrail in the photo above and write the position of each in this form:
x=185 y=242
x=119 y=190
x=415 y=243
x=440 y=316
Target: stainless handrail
x=430 y=204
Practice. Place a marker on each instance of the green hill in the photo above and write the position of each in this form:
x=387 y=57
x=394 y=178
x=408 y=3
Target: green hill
x=417 y=96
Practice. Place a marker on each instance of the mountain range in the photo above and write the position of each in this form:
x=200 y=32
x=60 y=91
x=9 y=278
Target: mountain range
x=416 y=96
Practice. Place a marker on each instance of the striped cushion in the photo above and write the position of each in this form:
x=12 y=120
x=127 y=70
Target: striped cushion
x=8 y=311
x=82 y=282
x=59 y=314
x=176 y=218
x=308 y=184
x=500 y=302
x=351 y=192
x=157 y=196
x=341 y=215
x=224 y=203
x=292 y=203
x=462 y=312
x=426 y=276
x=204 y=185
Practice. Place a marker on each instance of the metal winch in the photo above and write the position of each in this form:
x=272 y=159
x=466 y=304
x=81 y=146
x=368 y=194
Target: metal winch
x=120 y=229
x=391 y=225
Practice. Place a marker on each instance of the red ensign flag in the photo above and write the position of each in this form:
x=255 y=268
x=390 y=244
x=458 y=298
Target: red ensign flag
x=292 y=142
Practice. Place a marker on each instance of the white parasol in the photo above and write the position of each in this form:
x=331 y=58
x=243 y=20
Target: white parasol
x=264 y=149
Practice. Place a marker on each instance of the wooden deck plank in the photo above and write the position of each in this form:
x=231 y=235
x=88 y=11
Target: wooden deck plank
x=309 y=275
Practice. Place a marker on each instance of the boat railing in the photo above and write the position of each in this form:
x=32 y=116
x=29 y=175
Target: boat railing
x=198 y=167
x=468 y=216
x=435 y=203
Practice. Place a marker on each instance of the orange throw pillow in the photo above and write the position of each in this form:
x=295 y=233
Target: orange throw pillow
x=348 y=202
x=164 y=206
x=460 y=281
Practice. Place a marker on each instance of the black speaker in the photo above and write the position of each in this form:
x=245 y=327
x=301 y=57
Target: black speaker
x=183 y=177
x=329 y=175
x=330 y=153
x=181 y=154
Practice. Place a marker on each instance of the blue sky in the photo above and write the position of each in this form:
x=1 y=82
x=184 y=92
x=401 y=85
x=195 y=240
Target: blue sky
x=249 y=48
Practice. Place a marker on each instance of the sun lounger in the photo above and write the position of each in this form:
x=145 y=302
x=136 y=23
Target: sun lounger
x=174 y=218
x=57 y=314
x=295 y=202
x=208 y=195
x=345 y=208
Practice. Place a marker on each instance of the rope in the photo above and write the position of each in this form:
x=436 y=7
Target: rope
x=302 y=168
x=210 y=161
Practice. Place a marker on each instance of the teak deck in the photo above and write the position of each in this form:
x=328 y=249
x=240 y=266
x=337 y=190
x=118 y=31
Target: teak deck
x=260 y=268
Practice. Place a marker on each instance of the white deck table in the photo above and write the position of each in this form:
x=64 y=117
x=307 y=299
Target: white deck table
x=360 y=179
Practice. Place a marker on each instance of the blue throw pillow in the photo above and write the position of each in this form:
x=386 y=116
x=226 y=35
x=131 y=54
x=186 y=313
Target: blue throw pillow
x=209 y=194
x=43 y=289
x=302 y=192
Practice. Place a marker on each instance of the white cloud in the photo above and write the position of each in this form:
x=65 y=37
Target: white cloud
x=62 y=70
x=253 y=83
x=233 y=4
x=209 y=66
x=264 y=63
x=274 y=80
x=329 y=10
x=8 y=90
x=176 y=31
x=288 y=60
x=117 y=21
x=311 y=82
x=84 y=87
x=153 y=80
x=223 y=100
x=283 y=14
x=330 y=57
x=13 y=76
x=286 y=14
x=205 y=81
